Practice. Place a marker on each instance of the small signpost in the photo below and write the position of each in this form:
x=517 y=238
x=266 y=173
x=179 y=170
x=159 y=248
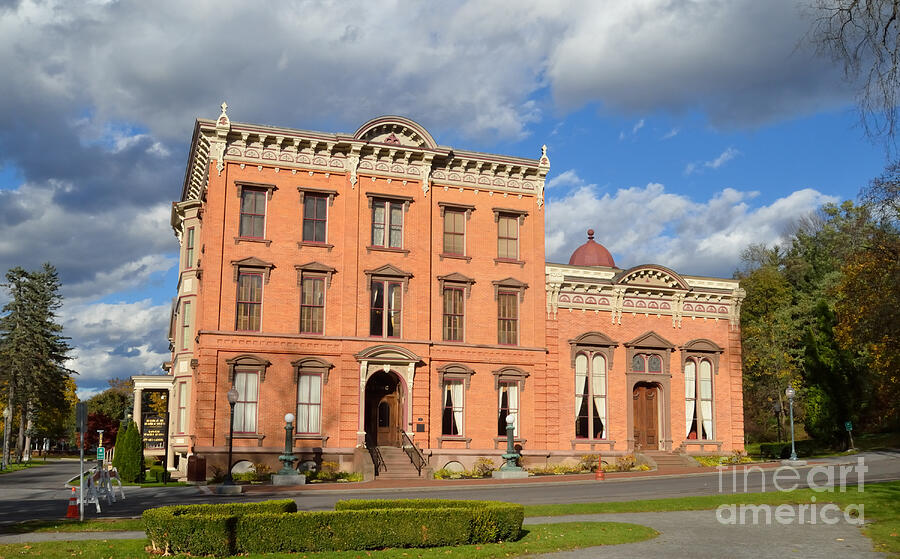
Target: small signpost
x=101 y=454
x=81 y=427
x=848 y=425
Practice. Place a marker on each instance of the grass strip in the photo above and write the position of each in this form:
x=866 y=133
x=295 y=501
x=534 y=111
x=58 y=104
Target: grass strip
x=543 y=538
x=91 y=525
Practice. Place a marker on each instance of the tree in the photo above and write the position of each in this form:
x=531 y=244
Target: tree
x=115 y=401
x=33 y=350
x=861 y=35
x=131 y=463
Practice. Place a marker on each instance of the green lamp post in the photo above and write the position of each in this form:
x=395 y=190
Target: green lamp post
x=288 y=457
x=511 y=456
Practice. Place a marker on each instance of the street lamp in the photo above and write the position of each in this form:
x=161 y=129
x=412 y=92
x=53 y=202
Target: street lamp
x=288 y=457
x=790 y=394
x=4 y=462
x=232 y=398
x=511 y=455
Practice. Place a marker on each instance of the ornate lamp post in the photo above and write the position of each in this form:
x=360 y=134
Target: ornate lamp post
x=790 y=394
x=511 y=455
x=288 y=457
x=232 y=398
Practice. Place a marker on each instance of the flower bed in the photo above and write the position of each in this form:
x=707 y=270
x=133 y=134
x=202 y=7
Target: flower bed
x=275 y=526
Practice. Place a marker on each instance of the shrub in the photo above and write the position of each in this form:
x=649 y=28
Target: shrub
x=218 y=474
x=483 y=467
x=131 y=454
x=202 y=529
x=589 y=462
x=273 y=526
x=117 y=456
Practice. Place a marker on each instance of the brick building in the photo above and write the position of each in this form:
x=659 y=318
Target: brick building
x=386 y=289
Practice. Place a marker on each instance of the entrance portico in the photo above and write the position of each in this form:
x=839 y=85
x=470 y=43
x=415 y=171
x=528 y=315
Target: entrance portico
x=390 y=369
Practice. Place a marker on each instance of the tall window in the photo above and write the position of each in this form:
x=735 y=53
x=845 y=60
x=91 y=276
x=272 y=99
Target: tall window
x=315 y=217
x=698 y=419
x=387 y=224
x=182 y=407
x=507 y=318
x=452 y=419
x=312 y=306
x=189 y=248
x=186 y=325
x=385 y=314
x=253 y=213
x=646 y=363
x=590 y=396
x=508 y=237
x=249 y=301
x=454 y=232
x=508 y=405
x=309 y=404
x=247 y=385
x=454 y=314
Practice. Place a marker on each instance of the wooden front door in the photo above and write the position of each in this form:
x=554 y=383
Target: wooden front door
x=389 y=420
x=646 y=416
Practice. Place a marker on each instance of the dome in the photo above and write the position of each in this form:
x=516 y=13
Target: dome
x=591 y=253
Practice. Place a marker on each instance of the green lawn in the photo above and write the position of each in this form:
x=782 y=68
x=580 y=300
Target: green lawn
x=90 y=525
x=881 y=500
x=18 y=467
x=535 y=539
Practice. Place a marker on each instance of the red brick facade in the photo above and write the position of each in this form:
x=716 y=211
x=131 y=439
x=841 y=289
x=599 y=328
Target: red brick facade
x=394 y=164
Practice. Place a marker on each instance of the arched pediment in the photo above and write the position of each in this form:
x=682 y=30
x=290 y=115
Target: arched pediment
x=312 y=365
x=702 y=345
x=651 y=275
x=593 y=339
x=650 y=340
x=387 y=353
x=247 y=361
x=395 y=130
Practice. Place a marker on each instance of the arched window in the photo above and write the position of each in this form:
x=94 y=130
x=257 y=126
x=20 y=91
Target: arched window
x=646 y=363
x=590 y=396
x=698 y=399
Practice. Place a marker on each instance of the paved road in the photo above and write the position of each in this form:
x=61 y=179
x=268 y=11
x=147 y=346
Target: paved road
x=38 y=493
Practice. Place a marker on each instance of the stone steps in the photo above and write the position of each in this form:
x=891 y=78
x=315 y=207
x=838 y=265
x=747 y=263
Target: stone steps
x=397 y=464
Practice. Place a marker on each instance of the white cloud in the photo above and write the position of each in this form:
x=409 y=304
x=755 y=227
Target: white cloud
x=116 y=339
x=650 y=225
x=670 y=134
x=722 y=159
x=637 y=126
x=566 y=178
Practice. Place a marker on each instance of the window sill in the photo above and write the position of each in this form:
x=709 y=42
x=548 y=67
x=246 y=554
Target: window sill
x=443 y=255
x=593 y=442
x=239 y=240
x=521 y=263
x=371 y=248
x=453 y=439
x=311 y=437
x=258 y=436
x=701 y=442
x=498 y=441
x=302 y=244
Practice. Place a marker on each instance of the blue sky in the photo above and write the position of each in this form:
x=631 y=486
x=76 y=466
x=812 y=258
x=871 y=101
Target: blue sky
x=680 y=130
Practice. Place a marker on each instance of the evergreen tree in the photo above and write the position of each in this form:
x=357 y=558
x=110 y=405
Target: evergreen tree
x=131 y=463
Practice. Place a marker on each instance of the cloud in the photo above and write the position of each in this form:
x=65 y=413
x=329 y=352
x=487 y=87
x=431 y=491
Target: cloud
x=670 y=134
x=722 y=159
x=566 y=178
x=116 y=340
x=637 y=126
x=650 y=225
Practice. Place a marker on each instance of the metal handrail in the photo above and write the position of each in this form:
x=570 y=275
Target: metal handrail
x=375 y=453
x=415 y=455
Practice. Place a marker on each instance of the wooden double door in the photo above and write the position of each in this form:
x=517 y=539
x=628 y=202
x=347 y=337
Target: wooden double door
x=646 y=416
x=383 y=409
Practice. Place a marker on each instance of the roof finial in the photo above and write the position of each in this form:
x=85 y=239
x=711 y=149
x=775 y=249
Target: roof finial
x=224 y=108
x=590 y=234
x=544 y=150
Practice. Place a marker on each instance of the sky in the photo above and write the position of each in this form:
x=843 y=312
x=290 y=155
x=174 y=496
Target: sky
x=681 y=131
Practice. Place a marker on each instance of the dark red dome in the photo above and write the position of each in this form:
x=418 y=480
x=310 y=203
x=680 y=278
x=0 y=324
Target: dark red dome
x=591 y=253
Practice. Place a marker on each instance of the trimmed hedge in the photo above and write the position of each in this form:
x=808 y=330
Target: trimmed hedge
x=275 y=526
x=491 y=520
x=203 y=529
x=805 y=447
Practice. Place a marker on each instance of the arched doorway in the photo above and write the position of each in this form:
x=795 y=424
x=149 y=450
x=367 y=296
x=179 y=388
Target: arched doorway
x=384 y=411
x=646 y=416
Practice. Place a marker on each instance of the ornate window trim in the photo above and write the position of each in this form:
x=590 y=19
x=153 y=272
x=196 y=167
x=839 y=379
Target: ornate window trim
x=304 y=190
x=595 y=342
x=252 y=264
x=701 y=348
x=406 y=200
x=510 y=284
x=247 y=362
x=510 y=374
x=520 y=214
x=311 y=366
x=467 y=208
x=314 y=269
x=650 y=343
x=456 y=280
x=455 y=371
x=269 y=188
x=390 y=273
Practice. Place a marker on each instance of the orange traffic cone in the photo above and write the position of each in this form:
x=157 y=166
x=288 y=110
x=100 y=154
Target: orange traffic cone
x=72 y=512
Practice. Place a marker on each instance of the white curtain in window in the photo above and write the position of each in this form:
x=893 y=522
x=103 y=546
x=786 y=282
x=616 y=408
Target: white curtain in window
x=245 y=410
x=690 y=395
x=598 y=384
x=580 y=381
x=456 y=389
x=706 y=397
